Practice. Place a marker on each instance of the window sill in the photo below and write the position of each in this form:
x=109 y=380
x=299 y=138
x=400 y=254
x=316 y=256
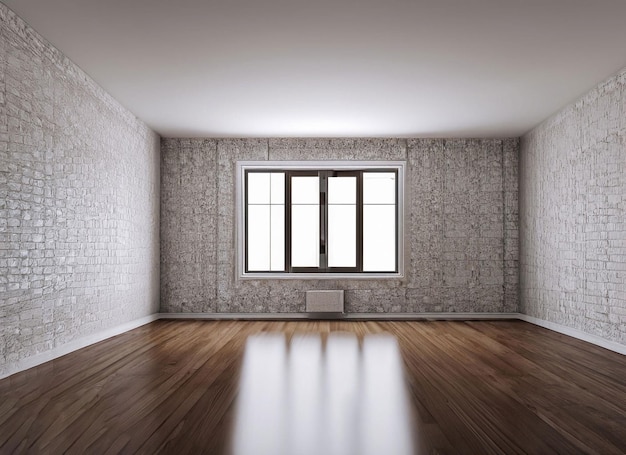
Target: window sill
x=322 y=276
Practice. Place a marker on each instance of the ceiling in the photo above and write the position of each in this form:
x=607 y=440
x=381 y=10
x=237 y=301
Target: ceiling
x=337 y=68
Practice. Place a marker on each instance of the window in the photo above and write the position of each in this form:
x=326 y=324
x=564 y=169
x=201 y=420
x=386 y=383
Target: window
x=320 y=219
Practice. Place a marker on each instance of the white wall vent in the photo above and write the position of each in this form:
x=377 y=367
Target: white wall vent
x=324 y=301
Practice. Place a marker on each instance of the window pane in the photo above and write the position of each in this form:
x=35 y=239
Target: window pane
x=305 y=190
x=342 y=235
x=277 y=183
x=379 y=188
x=379 y=238
x=277 y=223
x=258 y=237
x=258 y=188
x=342 y=190
x=305 y=237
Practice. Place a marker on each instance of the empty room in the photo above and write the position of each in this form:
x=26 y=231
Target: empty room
x=289 y=227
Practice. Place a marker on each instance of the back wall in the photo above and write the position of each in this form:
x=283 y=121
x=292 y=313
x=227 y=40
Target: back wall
x=461 y=214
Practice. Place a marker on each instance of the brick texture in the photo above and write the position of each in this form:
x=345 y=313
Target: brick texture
x=572 y=207
x=188 y=228
x=79 y=191
x=461 y=220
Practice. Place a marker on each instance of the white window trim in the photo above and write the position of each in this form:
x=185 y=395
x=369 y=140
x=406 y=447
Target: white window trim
x=243 y=166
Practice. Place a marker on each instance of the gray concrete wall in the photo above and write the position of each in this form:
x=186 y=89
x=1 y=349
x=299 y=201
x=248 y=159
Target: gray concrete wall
x=79 y=202
x=461 y=213
x=573 y=215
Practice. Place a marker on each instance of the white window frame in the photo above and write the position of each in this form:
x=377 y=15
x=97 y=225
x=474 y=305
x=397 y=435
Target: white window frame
x=243 y=166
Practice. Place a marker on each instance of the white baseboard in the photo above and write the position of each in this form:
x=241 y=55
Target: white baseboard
x=75 y=345
x=342 y=316
x=83 y=342
x=575 y=333
x=236 y=316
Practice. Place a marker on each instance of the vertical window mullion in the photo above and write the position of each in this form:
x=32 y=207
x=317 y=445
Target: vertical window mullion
x=323 y=175
x=288 y=221
x=359 y=224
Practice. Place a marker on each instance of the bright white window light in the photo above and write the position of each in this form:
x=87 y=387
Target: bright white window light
x=266 y=221
x=379 y=242
x=305 y=220
x=342 y=221
x=379 y=221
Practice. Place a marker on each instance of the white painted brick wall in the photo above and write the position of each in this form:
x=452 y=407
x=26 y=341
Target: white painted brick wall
x=573 y=215
x=79 y=192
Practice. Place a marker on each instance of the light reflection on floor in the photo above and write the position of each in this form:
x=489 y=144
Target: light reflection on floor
x=304 y=399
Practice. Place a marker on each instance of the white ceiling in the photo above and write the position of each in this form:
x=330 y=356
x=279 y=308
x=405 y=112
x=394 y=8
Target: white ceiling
x=231 y=68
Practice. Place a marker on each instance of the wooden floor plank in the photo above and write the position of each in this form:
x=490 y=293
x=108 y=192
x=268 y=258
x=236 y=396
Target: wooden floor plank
x=171 y=387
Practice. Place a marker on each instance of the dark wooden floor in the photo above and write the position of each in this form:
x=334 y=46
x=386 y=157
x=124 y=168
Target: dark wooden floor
x=477 y=388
